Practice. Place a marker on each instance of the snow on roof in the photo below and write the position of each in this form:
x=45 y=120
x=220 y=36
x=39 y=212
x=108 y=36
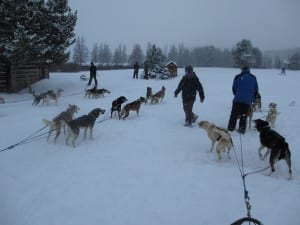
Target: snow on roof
x=171 y=62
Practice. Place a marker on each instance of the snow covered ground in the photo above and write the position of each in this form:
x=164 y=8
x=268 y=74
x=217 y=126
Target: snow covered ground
x=146 y=170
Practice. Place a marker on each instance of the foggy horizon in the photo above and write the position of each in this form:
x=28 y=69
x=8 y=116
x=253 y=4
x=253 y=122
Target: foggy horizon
x=269 y=24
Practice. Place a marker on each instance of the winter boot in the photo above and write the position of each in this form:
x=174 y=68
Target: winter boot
x=195 y=117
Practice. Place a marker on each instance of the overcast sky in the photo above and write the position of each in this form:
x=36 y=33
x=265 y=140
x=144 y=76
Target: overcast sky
x=269 y=24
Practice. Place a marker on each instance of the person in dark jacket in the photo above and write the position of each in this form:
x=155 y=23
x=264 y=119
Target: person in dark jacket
x=189 y=85
x=93 y=74
x=136 y=68
x=146 y=71
x=244 y=88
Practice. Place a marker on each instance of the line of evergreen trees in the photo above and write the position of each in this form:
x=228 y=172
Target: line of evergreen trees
x=243 y=53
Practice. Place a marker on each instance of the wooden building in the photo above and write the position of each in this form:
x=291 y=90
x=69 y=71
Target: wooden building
x=172 y=67
x=14 y=78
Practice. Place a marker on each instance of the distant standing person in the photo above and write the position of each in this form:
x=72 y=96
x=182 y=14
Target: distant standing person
x=244 y=88
x=93 y=73
x=146 y=71
x=189 y=85
x=136 y=68
x=283 y=71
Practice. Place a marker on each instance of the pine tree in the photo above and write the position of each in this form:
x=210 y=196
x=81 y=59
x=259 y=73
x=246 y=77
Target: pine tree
x=154 y=57
x=242 y=53
x=124 y=56
x=277 y=62
x=173 y=53
x=294 y=61
x=35 y=31
x=184 y=57
x=117 y=58
x=80 y=51
x=60 y=30
x=257 y=57
x=136 y=55
x=100 y=54
x=107 y=55
x=95 y=53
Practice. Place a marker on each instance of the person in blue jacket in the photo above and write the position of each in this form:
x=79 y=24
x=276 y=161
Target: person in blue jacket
x=244 y=88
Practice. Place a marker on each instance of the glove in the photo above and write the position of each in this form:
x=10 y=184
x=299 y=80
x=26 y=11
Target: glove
x=175 y=95
x=202 y=99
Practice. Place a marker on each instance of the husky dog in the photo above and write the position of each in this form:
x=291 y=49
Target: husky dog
x=219 y=135
x=275 y=144
x=95 y=93
x=52 y=95
x=272 y=114
x=86 y=122
x=38 y=98
x=133 y=106
x=148 y=94
x=89 y=92
x=257 y=103
x=60 y=120
x=99 y=93
x=158 y=96
x=2 y=101
x=116 y=105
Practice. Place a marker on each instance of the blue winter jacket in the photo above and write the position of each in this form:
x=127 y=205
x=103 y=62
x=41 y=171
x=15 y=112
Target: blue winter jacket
x=245 y=87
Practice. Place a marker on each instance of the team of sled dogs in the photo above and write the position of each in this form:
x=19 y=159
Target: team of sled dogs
x=87 y=122
x=276 y=145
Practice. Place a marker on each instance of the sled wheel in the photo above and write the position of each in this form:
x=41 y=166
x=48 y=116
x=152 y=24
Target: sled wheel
x=247 y=220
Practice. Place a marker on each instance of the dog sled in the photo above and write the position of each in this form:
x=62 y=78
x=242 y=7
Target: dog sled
x=83 y=77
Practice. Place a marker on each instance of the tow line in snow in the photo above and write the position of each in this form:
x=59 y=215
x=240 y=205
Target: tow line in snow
x=27 y=99
x=36 y=136
x=31 y=138
x=247 y=220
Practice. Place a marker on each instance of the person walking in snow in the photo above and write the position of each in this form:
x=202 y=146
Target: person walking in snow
x=136 y=68
x=244 y=88
x=93 y=73
x=189 y=85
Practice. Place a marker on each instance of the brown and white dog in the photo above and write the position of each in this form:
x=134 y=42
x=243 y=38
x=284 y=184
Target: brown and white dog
x=158 y=96
x=219 y=135
x=272 y=114
x=257 y=103
x=59 y=121
x=275 y=144
x=132 y=106
x=52 y=95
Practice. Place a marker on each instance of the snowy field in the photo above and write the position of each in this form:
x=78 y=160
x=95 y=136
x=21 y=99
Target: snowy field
x=147 y=170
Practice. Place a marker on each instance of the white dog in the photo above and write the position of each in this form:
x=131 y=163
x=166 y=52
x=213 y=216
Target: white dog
x=219 y=135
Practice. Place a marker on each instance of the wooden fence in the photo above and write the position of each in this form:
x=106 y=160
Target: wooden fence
x=14 y=78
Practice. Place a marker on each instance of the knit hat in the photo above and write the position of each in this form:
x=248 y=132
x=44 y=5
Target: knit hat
x=189 y=69
x=246 y=69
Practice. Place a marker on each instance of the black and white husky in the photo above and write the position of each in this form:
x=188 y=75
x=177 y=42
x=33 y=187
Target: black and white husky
x=86 y=122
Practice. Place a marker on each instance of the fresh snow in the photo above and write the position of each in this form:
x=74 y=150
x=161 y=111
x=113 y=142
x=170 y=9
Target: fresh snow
x=146 y=170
